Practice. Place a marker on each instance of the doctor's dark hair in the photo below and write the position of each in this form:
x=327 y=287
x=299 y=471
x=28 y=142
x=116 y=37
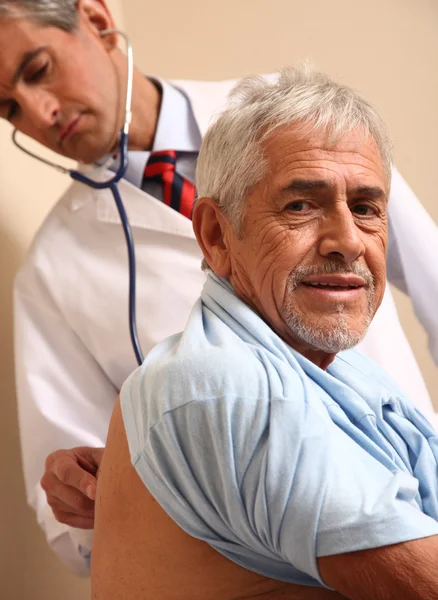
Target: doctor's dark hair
x=231 y=159
x=47 y=13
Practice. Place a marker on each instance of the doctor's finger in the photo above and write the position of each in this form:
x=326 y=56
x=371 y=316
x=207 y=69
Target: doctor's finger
x=57 y=490
x=77 y=505
x=74 y=520
x=66 y=468
x=88 y=458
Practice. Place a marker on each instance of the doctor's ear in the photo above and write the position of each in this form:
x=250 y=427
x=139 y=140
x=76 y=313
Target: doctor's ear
x=96 y=16
x=212 y=230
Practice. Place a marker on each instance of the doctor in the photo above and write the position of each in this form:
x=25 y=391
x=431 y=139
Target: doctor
x=62 y=83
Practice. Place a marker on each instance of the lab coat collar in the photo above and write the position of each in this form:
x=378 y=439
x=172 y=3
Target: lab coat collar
x=143 y=210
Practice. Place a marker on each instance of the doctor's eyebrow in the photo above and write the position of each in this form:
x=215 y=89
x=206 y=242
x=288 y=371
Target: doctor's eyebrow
x=26 y=59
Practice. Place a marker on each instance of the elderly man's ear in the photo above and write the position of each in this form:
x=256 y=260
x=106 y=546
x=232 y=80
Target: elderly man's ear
x=212 y=230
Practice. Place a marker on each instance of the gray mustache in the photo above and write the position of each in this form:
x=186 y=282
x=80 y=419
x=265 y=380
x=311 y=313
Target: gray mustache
x=331 y=267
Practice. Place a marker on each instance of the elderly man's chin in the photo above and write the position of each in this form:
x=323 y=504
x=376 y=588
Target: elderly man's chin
x=331 y=333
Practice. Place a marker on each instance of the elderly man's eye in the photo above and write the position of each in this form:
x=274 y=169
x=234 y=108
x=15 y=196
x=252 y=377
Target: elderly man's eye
x=298 y=206
x=363 y=210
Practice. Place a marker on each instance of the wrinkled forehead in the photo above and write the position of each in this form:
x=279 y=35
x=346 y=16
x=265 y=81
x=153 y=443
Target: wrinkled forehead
x=300 y=148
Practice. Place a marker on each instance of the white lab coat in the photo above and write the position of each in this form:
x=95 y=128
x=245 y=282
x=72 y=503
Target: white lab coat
x=72 y=344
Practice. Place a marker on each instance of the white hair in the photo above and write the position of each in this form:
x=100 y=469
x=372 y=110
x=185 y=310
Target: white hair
x=231 y=159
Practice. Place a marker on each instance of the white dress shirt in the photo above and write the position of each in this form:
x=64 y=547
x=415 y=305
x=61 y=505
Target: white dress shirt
x=176 y=130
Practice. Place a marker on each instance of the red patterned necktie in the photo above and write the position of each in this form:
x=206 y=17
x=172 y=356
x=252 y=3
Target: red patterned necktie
x=178 y=192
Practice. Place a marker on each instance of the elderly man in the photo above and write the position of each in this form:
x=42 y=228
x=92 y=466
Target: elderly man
x=248 y=429
x=72 y=345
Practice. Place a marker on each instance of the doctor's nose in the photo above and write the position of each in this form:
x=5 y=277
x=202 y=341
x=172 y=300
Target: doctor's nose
x=40 y=108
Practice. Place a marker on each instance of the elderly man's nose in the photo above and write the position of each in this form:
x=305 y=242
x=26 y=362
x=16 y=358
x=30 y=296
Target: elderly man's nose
x=40 y=107
x=341 y=237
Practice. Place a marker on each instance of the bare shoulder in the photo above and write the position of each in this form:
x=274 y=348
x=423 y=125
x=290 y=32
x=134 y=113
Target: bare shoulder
x=139 y=552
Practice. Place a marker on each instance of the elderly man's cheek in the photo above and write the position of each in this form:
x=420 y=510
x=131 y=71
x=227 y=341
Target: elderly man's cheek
x=379 y=275
x=272 y=272
x=376 y=260
x=288 y=247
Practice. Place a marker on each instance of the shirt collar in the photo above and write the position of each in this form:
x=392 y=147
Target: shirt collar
x=176 y=130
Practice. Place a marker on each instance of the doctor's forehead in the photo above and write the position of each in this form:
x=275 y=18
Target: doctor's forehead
x=18 y=37
x=21 y=39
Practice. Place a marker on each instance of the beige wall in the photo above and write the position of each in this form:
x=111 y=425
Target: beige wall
x=386 y=48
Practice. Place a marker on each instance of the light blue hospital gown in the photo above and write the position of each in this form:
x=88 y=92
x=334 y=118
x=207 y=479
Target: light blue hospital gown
x=271 y=460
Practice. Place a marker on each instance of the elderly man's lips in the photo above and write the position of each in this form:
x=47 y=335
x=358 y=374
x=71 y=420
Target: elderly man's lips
x=335 y=293
x=329 y=287
x=335 y=280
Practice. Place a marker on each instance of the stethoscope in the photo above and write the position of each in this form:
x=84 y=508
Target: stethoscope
x=111 y=184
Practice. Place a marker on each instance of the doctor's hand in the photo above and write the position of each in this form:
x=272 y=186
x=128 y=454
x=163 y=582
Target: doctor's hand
x=70 y=481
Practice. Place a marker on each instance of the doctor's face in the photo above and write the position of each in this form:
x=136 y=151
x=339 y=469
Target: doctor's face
x=61 y=88
x=311 y=257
